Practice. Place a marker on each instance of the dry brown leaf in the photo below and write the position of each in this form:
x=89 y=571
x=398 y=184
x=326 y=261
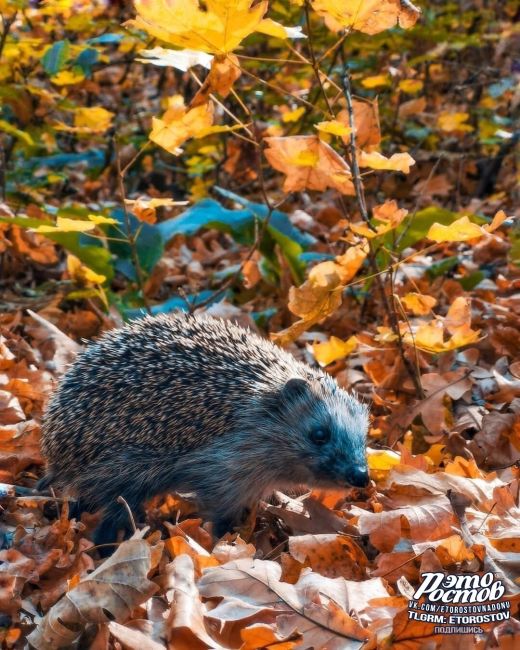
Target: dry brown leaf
x=316 y=605
x=330 y=555
x=133 y=639
x=427 y=518
x=185 y=628
x=366 y=122
x=117 y=586
x=308 y=163
x=225 y=70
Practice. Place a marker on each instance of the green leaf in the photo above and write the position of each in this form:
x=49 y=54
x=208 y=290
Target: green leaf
x=55 y=57
x=243 y=226
x=149 y=244
x=437 y=269
x=6 y=127
x=469 y=282
x=92 y=254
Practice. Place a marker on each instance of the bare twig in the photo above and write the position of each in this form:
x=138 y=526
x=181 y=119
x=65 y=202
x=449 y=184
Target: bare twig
x=314 y=62
x=131 y=236
x=259 y=234
x=413 y=371
x=7 y=23
x=356 y=176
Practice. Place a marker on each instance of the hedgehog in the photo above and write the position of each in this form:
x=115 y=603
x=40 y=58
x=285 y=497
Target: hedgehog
x=188 y=403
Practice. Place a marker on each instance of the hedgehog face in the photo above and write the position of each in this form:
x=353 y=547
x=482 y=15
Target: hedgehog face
x=325 y=433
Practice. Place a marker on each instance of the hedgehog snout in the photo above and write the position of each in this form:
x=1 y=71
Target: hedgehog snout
x=358 y=477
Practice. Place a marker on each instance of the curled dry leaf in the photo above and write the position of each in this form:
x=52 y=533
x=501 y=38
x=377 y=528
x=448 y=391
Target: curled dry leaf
x=225 y=70
x=388 y=214
x=117 y=586
x=320 y=295
x=185 y=627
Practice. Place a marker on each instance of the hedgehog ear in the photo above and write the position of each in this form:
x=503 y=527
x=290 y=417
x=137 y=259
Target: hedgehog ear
x=295 y=388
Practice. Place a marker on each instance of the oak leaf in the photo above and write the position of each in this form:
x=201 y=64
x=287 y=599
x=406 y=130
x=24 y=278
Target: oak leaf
x=116 y=587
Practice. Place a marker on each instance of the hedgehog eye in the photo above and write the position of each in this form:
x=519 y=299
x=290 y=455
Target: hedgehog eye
x=320 y=436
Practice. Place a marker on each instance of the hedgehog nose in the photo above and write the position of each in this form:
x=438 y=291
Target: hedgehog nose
x=358 y=477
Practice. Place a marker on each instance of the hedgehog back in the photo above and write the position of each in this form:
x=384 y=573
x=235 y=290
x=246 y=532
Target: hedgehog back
x=168 y=382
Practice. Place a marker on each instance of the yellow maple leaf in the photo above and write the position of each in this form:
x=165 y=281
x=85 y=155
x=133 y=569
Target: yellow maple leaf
x=99 y=219
x=178 y=125
x=460 y=230
x=218 y=28
x=397 y=162
x=63 y=224
x=418 y=304
x=411 y=86
x=67 y=78
x=430 y=336
x=376 y=81
x=381 y=462
x=334 y=127
x=367 y=16
x=453 y=122
x=292 y=116
x=333 y=349
x=95 y=119
x=81 y=273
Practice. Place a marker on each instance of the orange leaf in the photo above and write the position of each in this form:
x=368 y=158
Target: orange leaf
x=308 y=163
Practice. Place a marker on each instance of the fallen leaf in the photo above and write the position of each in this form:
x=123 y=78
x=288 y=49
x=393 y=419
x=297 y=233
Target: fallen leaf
x=117 y=586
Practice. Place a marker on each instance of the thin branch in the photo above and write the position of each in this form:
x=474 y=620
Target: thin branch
x=7 y=23
x=356 y=176
x=259 y=233
x=132 y=239
x=314 y=62
x=412 y=370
